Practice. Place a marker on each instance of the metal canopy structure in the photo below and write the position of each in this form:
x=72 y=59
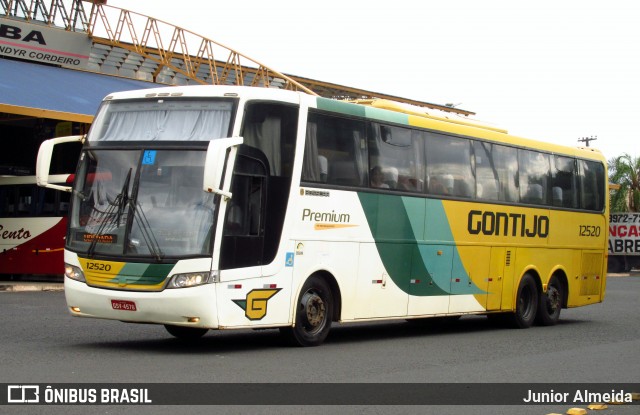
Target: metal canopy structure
x=135 y=46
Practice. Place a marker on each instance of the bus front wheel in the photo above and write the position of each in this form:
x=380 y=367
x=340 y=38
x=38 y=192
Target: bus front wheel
x=550 y=303
x=185 y=333
x=526 y=303
x=314 y=311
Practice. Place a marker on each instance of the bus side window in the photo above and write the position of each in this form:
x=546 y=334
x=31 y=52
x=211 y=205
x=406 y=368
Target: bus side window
x=28 y=200
x=533 y=168
x=335 y=150
x=271 y=128
x=398 y=153
x=563 y=182
x=487 y=171
x=449 y=166
x=591 y=179
x=7 y=203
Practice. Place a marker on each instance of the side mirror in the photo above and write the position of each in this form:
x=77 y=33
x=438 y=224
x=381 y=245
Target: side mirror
x=43 y=163
x=214 y=166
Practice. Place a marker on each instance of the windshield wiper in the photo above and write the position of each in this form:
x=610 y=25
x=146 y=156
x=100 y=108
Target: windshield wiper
x=110 y=216
x=116 y=215
x=147 y=234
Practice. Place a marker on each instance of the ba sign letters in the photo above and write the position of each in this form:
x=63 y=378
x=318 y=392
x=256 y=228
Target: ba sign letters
x=44 y=44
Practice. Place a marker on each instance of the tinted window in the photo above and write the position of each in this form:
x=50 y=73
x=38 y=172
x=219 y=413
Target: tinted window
x=592 y=185
x=563 y=182
x=449 y=169
x=335 y=151
x=496 y=172
x=533 y=168
x=396 y=158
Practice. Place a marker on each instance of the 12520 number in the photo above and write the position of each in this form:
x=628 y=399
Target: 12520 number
x=589 y=230
x=97 y=266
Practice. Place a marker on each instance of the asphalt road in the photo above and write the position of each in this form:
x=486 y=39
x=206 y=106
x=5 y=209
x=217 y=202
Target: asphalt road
x=42 y=343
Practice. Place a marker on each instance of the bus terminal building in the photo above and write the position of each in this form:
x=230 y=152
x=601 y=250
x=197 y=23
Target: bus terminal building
x=59 y=60
x=58 y=64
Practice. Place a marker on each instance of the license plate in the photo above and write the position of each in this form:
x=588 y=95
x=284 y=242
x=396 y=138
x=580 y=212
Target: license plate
x=123 y=305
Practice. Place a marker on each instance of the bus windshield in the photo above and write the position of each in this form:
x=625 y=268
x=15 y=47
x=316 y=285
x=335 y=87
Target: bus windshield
x=141 y=203
x=147 y=201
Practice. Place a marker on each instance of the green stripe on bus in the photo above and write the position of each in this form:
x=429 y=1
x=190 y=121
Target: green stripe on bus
x=347 y=108
x=340 y=106
x=388 y=116
x=143 y=274
x=401 y=227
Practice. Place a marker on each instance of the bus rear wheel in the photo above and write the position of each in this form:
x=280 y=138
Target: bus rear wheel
x=314 y=311
x=550 y=303
x=185 y=333
x=526 y=303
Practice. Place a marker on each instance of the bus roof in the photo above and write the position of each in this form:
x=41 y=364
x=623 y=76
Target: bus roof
x=426 y=112
x=408 y=114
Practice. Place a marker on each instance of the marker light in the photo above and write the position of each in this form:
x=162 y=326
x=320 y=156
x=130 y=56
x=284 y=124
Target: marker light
x=73 y=272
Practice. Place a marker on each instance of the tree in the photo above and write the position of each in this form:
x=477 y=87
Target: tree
x=624 y=171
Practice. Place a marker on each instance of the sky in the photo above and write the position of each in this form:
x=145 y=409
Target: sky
x=552 y=70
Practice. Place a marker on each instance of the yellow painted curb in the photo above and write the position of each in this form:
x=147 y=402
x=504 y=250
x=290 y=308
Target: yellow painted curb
x=597 y=406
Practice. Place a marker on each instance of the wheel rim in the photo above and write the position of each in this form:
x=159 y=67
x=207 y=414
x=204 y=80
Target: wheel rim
x=315 y=312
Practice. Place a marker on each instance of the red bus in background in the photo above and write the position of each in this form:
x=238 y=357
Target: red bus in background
x=33 y=223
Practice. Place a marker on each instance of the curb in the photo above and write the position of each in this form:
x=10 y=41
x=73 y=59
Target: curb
x=624 y=274
x=30 y=286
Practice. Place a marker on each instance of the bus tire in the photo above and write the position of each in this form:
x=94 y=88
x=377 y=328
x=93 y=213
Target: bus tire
x=526 y=303
x=313 y=314
x=185 y=333
x=550 y=303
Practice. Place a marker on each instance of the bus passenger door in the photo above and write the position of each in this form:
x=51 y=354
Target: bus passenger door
x=244 y=227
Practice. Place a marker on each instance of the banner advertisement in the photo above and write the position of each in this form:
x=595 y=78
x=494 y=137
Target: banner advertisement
x=41 y=43
x=624 y=233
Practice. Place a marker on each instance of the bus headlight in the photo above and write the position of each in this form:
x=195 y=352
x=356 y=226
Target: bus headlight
x=191 y=279
x=73 y=272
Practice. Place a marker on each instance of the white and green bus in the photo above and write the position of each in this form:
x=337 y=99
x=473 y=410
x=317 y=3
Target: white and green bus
x=214 y=207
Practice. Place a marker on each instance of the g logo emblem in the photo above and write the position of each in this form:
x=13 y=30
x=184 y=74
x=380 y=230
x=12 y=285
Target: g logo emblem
x=255 y=304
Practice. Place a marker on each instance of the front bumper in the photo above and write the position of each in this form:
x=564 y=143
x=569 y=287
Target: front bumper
x=171 y=306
